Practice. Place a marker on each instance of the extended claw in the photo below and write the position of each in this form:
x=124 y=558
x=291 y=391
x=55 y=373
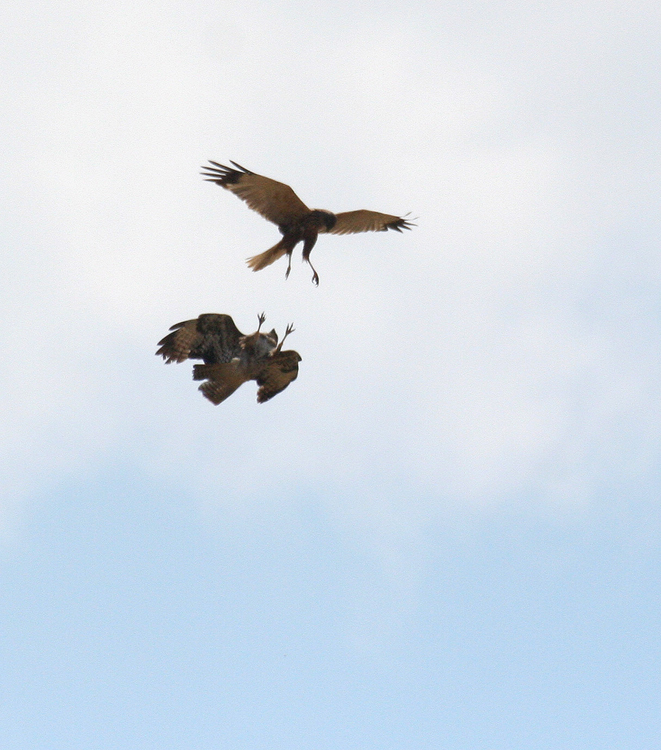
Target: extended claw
x=315 y=275
x=290 y=329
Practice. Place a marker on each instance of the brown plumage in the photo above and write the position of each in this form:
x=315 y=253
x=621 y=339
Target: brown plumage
x=278 y=203
x=230 y=358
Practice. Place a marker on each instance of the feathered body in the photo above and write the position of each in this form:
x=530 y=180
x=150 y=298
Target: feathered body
x=231 y=358
x=279 y=204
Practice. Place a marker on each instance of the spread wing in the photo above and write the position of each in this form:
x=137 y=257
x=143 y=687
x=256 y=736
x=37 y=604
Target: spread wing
x=211 y=337
x=280 y=370
x=352 y=222
x=221 y=379
x=275 y=201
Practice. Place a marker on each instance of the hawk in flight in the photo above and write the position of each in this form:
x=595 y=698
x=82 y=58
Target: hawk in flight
x=278 y=203
x=230 y=357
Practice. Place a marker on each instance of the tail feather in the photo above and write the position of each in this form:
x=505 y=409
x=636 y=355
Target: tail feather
x=257 y=262
x=217 y=392
x=223 y=379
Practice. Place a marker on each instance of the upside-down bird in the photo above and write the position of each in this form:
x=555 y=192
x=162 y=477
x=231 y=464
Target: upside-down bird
x=278 y=203
x=230 y=357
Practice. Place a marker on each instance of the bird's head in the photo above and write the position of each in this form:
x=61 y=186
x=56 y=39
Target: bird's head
x=324 y=220
x=258 y=344
x=265 y=344
x=272 y=336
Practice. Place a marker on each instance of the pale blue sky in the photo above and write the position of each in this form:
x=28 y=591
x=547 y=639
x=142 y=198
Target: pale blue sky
x=445 y=533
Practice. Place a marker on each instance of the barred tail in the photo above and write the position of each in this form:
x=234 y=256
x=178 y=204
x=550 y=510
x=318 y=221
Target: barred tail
x=224 y=379
x=217 y=392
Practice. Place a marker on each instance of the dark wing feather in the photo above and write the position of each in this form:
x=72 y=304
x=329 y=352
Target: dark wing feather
x=274 y=200
x=352 y=222
x=221 y=379
x=280 y=370
x=211 y=337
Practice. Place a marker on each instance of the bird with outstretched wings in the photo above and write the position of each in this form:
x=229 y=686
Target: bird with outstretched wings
x=279 y=204
x=230 y=357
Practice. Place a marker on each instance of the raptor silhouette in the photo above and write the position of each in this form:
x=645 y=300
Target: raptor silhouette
x=230 y=357
x=279 y=204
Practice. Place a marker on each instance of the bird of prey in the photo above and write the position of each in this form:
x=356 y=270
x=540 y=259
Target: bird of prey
x=278 y=203
x=231 y=358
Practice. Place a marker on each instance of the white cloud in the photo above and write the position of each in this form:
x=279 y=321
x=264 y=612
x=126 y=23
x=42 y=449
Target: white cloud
x=467 y=360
